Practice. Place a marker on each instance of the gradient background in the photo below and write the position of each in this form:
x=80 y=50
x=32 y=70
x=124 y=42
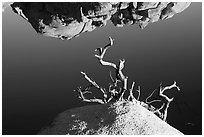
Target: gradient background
x=40 y=73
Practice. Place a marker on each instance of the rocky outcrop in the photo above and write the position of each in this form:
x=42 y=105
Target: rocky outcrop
x=119 y=118
x=66 y=20
x=143 y=13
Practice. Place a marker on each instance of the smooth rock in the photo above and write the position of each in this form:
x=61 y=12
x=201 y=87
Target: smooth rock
x=119 y=118
x=173 y=8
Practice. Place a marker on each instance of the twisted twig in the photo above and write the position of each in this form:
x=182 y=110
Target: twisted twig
x=168 y=100
x=118 y=68
x=114 y=91
x=81 y=96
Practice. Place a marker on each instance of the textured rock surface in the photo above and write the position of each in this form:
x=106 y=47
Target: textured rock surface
x=5 y=5
x=120 y=118
x=66 y=20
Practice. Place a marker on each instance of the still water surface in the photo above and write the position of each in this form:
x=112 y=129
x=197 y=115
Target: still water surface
x=40 y=73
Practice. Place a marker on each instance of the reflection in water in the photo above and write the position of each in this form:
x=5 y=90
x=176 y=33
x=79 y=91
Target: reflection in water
x=37 y=70
x=70 y=19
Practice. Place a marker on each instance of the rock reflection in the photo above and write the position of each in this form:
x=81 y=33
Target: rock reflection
x=66 y=20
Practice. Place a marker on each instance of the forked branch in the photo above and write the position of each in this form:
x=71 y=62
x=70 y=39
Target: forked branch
x=115 y=91
x=166 y=99
x=85 y=91
x=118 y=68
x=102 y=52
x=131 y=96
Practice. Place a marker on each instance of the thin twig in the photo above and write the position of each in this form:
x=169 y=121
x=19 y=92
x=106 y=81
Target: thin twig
x=162 y=89
x=158 y=112
x=138 y=97
x=113 y=91
x=119 y=74
x=131 y=96
x=168 y=100
x=149 y=102
x=95 y=84
x=102 y=52
x=111 y=77
x=81 y=96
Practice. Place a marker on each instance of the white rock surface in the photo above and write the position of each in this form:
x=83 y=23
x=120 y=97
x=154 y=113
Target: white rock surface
x=119 y=118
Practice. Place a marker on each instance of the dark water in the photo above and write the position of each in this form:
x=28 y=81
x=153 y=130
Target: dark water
x=40 y=73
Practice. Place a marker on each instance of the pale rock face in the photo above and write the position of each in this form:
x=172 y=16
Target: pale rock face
x=5 y=5
x=119 y=118
x=124 y=5
x=66 y=20
x=174 y=8
x=147 y=5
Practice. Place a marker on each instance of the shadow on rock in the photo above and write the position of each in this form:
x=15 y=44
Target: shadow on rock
x=118 y=118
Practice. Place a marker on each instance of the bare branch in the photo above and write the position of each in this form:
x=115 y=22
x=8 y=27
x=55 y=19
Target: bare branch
x=138 y=92
x=160 y=107
x=167 y=102
x=110 y=99
x=158 y=112
x=119 y=75
x=122 y=93
x=133 y=84
x=84 y=18
x=125 y=83
x=102 y=52
x=81 y=96
x=94 y=84
x=93 y=100
x=111 y=77
x=162 y=89
x=121 y=66
x=113 y=91
x=149 y=102
x=124 y=88
x=166 y=109
x=131 y=97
